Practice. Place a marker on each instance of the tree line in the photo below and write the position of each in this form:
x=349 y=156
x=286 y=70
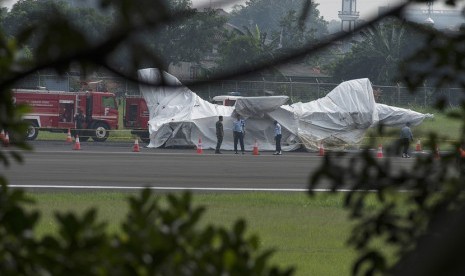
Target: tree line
x=258 y=30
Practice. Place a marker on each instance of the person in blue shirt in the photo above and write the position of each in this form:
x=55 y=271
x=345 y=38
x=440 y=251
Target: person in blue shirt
x=406 y=137
x=238 y=133
x=277 y=137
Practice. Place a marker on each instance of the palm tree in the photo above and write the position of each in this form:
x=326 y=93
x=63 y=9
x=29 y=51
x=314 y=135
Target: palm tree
x=377 y=54
x=246 y=48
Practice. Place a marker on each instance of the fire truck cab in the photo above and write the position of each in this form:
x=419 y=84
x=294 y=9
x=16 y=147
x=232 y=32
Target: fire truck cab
x=54 y=111
x=136 y=117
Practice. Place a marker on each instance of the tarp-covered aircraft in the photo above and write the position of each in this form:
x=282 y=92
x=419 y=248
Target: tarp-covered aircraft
x=179 y=117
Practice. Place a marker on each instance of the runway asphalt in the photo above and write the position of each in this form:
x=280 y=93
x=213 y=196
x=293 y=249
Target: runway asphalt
x=54 y=165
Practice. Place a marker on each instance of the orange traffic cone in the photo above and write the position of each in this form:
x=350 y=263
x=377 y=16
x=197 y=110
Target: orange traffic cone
x=322 y=150
x=6 y=140
x=199 y=146
x=379 y=154
x=418 y=147
x=68 y=138
x=255 y=148
x=2 y=135
x=136 y=147
x=77 y=144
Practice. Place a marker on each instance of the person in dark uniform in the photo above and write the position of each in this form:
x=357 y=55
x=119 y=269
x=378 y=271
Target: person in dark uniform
x=277 y=137
x=78 y=119
x=460 y=158
x=238 y=133
x=219 y=134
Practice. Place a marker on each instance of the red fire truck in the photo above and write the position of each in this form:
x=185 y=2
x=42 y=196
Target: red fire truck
x=54 y=111
x=136 y=117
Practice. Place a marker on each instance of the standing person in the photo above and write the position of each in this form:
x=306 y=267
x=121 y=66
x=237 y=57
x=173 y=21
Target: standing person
x=406 y=137
x=460 y=158
x=238 y=133
x=79 y=119
x=277 y=137
x=219 y=134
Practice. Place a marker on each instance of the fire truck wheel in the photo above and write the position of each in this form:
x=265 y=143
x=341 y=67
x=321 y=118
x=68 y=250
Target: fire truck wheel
x=32 y=131
x=101 y=132
x=145 y=137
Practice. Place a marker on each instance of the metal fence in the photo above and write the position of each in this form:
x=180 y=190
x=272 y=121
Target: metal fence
x=305 y=92
x=297 y=91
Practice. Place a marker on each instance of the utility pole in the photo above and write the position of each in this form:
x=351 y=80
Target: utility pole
x=429 y=20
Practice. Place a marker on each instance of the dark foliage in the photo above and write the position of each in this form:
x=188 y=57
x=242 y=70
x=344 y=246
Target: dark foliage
x=424 y=230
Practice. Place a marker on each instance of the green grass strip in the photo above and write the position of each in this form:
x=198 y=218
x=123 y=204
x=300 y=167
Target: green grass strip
x=308 y=233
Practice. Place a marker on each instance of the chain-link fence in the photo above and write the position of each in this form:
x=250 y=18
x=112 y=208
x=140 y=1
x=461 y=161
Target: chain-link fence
x=423 y=97
x=297 y=91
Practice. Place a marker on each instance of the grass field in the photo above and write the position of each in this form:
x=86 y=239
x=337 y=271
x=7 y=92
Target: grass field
x=308 y=233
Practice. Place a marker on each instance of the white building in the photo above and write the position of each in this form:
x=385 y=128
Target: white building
x=348 y=15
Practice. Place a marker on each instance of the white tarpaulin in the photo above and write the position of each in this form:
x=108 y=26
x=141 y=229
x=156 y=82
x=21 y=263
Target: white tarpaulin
x=178 y=117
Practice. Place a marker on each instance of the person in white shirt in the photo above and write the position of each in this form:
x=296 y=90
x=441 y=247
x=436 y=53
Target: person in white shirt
x=277 y=137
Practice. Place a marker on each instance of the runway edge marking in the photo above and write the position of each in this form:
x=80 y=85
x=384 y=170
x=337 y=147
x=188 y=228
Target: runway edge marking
x=178 y=188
